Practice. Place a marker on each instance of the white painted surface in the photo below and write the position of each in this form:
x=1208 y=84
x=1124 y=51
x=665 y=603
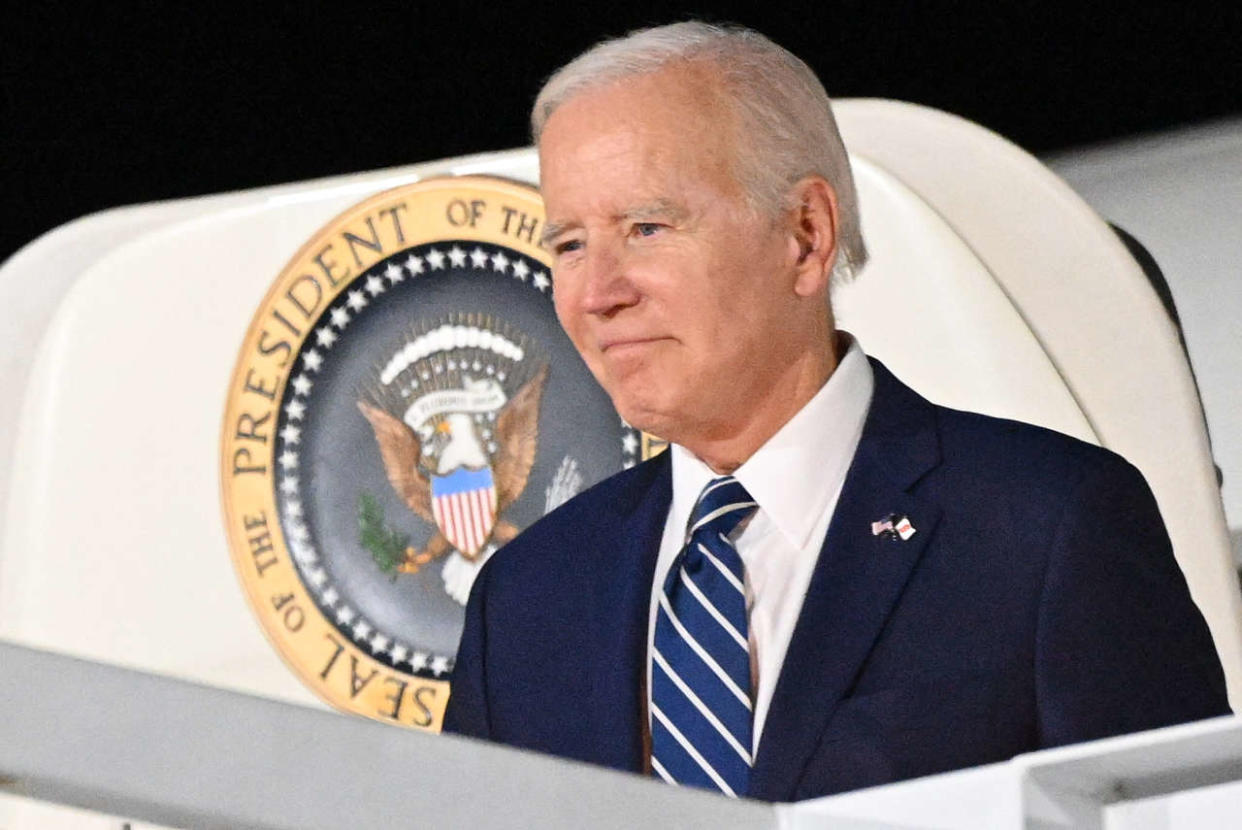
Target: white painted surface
x=935 y=314
x=17 y=813
x=1202 y=808
x=1180 y=194
x=1178 y=778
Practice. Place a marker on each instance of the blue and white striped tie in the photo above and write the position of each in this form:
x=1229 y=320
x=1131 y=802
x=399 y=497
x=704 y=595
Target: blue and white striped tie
x=701 y=711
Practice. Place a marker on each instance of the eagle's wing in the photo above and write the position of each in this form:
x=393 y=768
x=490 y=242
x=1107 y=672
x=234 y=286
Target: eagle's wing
x=400 y=448
x=517 y=429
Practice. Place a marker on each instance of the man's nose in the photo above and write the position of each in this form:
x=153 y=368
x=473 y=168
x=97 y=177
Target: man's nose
x=608 y=287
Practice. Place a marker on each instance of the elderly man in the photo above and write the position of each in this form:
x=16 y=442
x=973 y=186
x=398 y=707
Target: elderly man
x=827 y=582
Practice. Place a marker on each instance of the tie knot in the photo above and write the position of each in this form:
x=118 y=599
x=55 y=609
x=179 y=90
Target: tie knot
x=722 y=505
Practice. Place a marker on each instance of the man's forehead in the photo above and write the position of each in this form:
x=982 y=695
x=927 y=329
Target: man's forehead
x=636 y=116
x=638 y=147
x=692 y=91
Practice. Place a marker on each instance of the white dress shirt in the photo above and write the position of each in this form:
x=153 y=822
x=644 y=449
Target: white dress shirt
x=795 y=478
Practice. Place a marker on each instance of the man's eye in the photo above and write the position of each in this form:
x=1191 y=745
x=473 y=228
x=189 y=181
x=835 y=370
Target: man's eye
x=568 y=246
x=647 y=228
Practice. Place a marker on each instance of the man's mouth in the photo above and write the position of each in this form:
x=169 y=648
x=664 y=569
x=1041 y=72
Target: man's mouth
x=623 y=344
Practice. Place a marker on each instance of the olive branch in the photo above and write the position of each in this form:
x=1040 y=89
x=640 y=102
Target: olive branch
x=386 y=545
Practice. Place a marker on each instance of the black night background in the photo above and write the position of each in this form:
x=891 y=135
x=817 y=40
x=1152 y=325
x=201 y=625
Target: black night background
x=112 y=104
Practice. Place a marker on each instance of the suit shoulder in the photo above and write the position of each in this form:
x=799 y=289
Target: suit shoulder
x=1008 y=452
x=1019 y=493
x=988 y=450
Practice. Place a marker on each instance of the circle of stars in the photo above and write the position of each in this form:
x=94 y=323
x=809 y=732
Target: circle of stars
x=365 y=289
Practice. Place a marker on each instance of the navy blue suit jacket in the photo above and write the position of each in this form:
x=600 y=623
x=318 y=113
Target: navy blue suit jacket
x=1037 y=604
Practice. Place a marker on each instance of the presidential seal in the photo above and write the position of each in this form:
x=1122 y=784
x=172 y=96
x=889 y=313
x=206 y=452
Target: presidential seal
x=403 y=404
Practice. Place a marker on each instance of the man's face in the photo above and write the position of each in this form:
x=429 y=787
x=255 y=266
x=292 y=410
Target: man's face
x=677 y=294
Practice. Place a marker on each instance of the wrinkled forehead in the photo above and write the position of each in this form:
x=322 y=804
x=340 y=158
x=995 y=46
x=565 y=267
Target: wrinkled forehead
x=689 y=93
x=678 y=115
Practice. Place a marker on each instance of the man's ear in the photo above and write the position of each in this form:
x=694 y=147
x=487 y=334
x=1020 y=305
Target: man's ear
x=814 y=217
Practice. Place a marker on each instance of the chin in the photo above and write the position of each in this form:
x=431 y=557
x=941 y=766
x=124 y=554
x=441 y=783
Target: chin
x=644 y=415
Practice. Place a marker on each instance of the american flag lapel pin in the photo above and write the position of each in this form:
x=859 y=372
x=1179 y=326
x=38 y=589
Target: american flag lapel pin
x=904 y=529
x=893 y=526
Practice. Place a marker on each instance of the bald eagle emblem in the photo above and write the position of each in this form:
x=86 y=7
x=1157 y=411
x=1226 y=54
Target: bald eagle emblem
x=455 y=413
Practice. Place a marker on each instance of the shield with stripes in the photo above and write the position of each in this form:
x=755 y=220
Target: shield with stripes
x=464 y=505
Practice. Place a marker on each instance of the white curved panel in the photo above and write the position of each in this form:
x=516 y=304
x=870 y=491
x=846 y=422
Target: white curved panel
x=929 y=309
x=1180 y=193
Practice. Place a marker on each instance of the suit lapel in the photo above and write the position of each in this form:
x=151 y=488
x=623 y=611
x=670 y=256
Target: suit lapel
x=620 y=596
x=857 y=581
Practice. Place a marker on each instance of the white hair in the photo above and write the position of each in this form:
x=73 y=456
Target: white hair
x=786 y=118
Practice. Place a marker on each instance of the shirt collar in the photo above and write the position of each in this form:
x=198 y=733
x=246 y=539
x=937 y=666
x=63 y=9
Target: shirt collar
x=798 y=472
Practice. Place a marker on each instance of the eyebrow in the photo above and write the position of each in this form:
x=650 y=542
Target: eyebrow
x=659 y=207
x=551 y=230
